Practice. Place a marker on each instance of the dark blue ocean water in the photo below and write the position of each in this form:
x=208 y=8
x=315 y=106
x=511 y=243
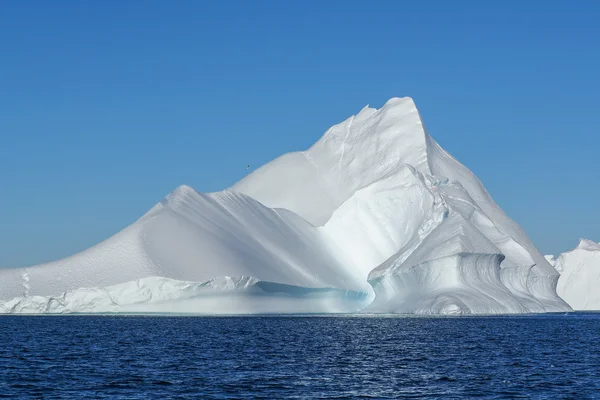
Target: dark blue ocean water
x=545 y=356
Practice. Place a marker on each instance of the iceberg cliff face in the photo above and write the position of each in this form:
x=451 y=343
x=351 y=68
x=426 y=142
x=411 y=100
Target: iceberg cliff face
x=579 y=282
x=375 y=216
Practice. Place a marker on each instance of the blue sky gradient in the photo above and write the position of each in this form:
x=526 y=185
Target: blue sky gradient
x=107 y=106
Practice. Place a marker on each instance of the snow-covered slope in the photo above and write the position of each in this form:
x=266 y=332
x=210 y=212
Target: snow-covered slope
x=200 y=239
x=579 y=283
x=375 y=208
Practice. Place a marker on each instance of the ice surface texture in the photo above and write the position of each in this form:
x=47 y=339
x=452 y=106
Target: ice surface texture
x=579 y=282
x=374 y=216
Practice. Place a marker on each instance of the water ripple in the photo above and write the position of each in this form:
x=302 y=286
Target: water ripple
x=539 y=357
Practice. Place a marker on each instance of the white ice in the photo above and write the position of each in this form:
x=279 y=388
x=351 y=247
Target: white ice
x=374 y=216
x=579 y=282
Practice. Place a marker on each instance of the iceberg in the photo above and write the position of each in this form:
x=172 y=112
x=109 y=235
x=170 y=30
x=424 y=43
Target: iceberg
x=579 y=282
x=374 y=217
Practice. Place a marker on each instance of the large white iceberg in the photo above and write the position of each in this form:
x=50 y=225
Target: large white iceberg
x=375 y=216
x=579 y=282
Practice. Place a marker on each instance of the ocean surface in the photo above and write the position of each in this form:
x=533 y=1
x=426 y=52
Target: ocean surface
x=274 y=357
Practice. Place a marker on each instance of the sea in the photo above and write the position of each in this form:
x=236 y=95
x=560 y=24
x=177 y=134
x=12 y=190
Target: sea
x=547 y=356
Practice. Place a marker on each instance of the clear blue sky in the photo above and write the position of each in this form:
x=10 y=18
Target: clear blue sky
x=107 y=106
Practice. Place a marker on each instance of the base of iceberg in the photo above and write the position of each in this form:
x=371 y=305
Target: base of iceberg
x=220 y=296
x=458 y=284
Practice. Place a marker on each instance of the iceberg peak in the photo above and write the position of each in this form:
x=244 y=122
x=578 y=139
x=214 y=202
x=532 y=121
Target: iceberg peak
x=586 y=244
x=351 y=155
x=181 y=192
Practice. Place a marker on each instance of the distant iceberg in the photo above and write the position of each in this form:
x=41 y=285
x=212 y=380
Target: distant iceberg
x=375 y=216
x=579 y=283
